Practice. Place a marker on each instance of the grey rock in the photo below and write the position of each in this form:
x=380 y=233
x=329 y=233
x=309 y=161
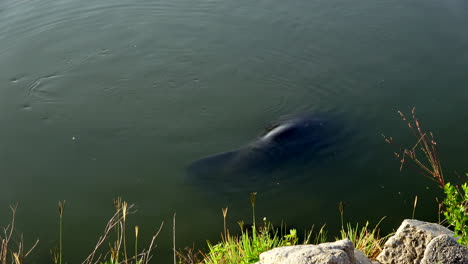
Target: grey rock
x=361 y=258
x=339 y=252
x=410 y=241
x=444 y=249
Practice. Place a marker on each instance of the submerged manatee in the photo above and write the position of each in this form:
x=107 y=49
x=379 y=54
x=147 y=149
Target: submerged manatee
x=292 y=141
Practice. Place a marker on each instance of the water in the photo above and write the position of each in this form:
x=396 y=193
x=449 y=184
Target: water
x=109 y=98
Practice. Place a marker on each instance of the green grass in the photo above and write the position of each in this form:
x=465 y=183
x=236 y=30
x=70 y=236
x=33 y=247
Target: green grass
x=456 y=203
x=365 y=238
x=246 y=247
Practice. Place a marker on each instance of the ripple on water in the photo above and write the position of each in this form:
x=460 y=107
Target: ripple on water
x=44 y=89
x=23 y=17
x=301 y=81
x=16 y=79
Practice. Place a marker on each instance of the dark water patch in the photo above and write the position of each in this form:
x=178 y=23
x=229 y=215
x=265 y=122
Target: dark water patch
x=291 y=146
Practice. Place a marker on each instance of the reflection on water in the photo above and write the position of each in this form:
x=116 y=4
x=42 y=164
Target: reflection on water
x=109 y=98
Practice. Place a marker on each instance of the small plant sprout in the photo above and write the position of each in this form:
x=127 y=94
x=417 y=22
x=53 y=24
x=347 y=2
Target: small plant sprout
x=225 y=212
x=174 y=238
x=136 y=244
x=124 y=217
x=61 y=208
x=253 y=198
x=414 y=205
x=16 y=257
x=55 y=255
x=115 y=252
x=341 y=209
x=241 y=224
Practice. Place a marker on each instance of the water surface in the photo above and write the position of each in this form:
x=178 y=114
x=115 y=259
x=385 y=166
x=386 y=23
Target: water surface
x=106 y=98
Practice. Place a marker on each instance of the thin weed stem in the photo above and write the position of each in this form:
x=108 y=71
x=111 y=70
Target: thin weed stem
x=225 y=211
x=116 y=251
x=61 y=205
x=341 y=208
x=124 y=216
x=17 y=256
x=174 y=238
x=136 y=244
x=253 y=199
x=414 y=205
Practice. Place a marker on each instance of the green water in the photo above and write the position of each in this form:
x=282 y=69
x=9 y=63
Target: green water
x=106 y=98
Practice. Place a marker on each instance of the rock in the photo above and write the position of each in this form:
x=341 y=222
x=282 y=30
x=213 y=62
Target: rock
x=361 y=258
x=444 y=249
x=339 y=252
x=408 y=244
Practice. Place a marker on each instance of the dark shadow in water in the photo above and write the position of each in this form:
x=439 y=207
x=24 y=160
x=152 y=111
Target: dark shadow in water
x=287 y=152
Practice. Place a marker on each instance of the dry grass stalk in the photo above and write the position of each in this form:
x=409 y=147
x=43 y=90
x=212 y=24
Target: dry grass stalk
x=17 y=256
x=414 y=205
x=117 y=244
x=225 y=212
x=190 y=255
x=425 y=144
x=173 y=238
x=115 y=221
x=146 y=254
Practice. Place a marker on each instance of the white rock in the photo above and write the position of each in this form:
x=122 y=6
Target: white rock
x=361 y=258
x=408 y=244
x=339 y=252
x=444 y=249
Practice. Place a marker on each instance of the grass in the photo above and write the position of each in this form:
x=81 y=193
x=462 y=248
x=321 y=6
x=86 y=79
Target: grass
x=247 y=246
x=456 y=206
x=242 y=248
x=13 y=254
x=117 y=252
x=426 y=157
x=365 y=238
x=424 y=153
